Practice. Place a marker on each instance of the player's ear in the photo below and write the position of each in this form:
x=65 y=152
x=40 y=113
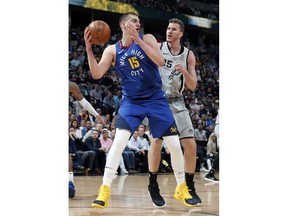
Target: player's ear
x=181 y=34
x=123 y=25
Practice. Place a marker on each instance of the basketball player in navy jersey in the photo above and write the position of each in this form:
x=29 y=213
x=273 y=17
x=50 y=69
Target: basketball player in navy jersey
x=178 y=71
x=136 y=59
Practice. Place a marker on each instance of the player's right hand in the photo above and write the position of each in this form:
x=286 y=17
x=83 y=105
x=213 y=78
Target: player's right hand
x=87 y=37
x=100 y=119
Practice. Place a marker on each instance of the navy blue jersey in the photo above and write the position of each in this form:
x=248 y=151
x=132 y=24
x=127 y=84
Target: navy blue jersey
x=139 y=74
x=142 y=93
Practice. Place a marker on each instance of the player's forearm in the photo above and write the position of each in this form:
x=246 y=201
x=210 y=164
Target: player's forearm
x=155 y=56
x=93 y=65
x=190 y=81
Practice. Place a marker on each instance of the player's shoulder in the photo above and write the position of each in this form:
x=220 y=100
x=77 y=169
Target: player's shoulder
x=148 y=37
x=189 y=51
x=111 y=48
x=186 y=48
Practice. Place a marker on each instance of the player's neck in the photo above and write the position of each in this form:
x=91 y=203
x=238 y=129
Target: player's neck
x=174 y=47
x=126 y=41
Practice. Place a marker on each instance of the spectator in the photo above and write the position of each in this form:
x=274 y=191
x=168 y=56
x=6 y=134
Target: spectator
x=140 y=148
x=211 y=150
x=209 y=120
x=83 y=115
x=209 y=131
x=87 y=128
x=200 y=134
x=96 y=95
x=105 y=141
x=211 y=175
x=142 y=135
x=87 y=156
x=75 y=125
x=93 y=143
x=201 y=140
x=75 y=62
x=77 y=160
x=109 y=104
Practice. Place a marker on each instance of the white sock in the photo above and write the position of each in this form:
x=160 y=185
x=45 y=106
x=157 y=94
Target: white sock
x=71 y=176
x=209 y=164
x=87 y=106
x=122 y=164
x=177 y=158
x=114 y=156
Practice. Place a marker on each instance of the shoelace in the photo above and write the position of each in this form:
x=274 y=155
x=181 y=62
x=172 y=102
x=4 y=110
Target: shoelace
x=105 y=193
x=185 y=192
x=155 y=192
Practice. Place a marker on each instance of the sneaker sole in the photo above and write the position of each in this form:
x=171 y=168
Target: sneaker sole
x=187 y=204
x=95 y=205
x=211 y=180
x=158 y=206
x=72 y=193
x=154 y=203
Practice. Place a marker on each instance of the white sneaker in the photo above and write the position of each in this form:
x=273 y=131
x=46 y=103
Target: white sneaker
x=124 y=171
x=203 y=169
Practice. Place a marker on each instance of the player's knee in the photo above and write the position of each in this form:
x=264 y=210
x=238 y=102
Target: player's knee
x=156 y=145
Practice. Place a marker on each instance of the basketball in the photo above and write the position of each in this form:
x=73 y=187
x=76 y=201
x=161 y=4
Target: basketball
x=100 y=32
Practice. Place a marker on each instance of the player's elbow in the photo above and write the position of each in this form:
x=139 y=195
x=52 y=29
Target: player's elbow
x=96 y=75
x=192 y=86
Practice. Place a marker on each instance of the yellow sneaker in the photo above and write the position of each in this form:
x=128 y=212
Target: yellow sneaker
x=102 y=200
x=182 y=193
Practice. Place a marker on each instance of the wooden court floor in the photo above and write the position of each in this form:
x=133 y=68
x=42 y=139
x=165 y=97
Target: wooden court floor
x=129 y=196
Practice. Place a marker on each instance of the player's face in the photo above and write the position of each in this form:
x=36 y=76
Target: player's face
x=134 y=21
x=173 y=32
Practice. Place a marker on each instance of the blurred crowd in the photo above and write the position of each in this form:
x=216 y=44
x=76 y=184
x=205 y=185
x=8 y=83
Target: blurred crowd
x=176 y=6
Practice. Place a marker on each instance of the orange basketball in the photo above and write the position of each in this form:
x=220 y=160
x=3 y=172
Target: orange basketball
x=100 y=31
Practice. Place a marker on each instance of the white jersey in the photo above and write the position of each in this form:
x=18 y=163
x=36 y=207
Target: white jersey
x=173 y=82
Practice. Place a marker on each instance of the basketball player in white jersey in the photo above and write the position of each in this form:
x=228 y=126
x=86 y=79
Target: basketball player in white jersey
x=178 y=70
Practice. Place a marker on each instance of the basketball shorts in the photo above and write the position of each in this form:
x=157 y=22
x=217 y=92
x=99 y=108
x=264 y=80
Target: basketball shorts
x=182 y=118
x=161 y=121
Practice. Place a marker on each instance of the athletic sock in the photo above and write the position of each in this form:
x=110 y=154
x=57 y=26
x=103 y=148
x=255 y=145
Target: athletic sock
x=152 y=178
x=71 y=176
x=189 y=179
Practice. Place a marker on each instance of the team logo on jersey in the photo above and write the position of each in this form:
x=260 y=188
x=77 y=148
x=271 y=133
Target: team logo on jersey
x=173 y=73
x=191 y=131
x=173 y=129
x=119 y=52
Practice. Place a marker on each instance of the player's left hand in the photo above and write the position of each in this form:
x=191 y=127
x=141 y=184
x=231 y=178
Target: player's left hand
x=179 y=67
x=133 y=34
